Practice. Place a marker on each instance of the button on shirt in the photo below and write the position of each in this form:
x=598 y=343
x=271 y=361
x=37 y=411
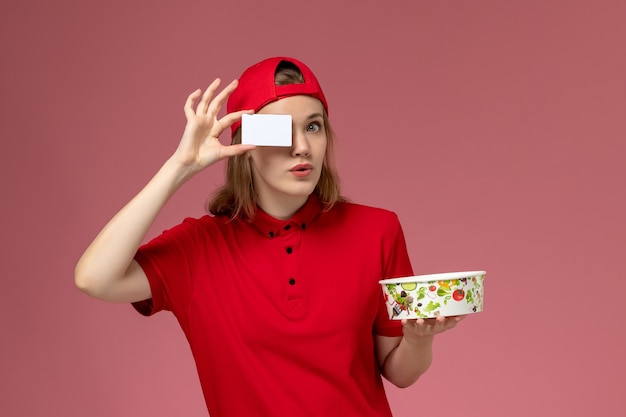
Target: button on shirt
x=280 y=314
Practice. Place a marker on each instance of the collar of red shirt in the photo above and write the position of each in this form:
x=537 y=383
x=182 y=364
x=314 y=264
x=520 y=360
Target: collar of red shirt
x=271 y=227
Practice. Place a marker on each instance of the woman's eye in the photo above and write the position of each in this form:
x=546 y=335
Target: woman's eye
x=314 y=127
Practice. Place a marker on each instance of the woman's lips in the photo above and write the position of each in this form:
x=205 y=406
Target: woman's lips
x=301 y=170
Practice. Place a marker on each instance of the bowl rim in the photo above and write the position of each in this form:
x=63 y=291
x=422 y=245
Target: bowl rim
x=432 y=277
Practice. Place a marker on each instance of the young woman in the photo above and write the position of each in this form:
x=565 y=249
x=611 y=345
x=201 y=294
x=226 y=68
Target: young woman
x=277 y=290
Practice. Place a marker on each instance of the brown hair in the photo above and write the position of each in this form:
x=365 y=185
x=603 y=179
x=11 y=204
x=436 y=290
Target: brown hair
x=237 y=197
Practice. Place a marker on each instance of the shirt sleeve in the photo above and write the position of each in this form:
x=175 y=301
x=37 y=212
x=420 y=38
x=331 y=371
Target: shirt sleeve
x=396 y=264
x=167 y=262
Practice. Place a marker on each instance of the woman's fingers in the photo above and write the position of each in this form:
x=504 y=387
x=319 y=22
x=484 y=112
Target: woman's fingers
x=205 y=102
x=210 y=104
x=432 y=326
x=216 y=104
x=200 y=140
x=188 y=108
x=228 y=120
x=234 y=150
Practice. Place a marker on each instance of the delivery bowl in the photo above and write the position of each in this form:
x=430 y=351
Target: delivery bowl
x=433 y=295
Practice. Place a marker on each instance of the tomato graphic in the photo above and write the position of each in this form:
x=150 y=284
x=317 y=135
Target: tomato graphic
x=432 y=288
x=458 y=295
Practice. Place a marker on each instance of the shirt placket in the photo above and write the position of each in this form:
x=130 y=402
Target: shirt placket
x=294 y=303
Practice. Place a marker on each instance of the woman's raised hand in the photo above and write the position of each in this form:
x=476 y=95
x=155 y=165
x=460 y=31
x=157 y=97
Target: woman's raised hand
x=200 y=145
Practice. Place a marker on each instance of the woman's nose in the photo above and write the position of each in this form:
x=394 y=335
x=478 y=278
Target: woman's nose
x=299 y=144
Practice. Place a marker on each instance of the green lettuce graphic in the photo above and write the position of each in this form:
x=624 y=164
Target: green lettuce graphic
x=432 y=306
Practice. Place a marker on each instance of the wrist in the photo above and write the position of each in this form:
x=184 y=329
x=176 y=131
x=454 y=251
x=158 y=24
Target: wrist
x=178 y=172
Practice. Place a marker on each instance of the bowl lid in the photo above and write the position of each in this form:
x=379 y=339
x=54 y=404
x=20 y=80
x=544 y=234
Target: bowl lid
x=433 y=277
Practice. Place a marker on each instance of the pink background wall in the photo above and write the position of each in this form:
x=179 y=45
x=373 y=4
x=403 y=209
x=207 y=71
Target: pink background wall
x=495 y=129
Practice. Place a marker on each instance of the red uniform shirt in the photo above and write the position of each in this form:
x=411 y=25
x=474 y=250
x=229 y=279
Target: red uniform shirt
x=280 y=315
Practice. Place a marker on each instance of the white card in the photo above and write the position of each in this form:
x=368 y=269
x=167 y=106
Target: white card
x=266 y=129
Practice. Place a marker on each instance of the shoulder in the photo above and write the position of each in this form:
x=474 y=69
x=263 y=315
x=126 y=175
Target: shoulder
x=193 y=227
x=364 y=212
x=208 y=220
x=193 y=234
x=358 y=217
x=191 y=224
